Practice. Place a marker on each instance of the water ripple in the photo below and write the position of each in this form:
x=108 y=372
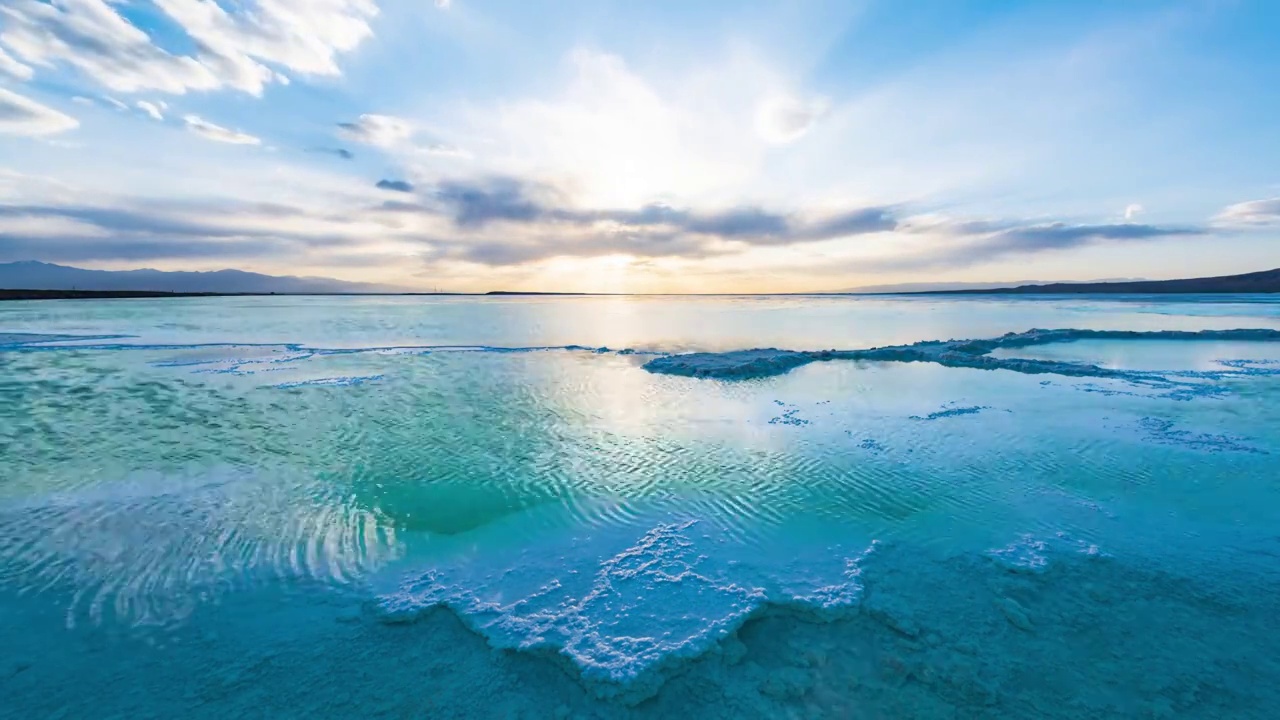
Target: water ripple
x=148 y=552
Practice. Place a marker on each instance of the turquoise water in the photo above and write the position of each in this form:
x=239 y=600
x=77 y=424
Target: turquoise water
x=511 y=507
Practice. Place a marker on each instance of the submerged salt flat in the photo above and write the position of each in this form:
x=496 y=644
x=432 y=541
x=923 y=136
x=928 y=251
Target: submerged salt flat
x=503 y=503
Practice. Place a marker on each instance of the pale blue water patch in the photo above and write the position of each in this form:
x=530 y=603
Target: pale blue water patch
x=665 y=322
x=489 y=507
x=1157 y=355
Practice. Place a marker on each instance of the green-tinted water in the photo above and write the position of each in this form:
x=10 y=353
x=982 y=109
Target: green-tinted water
x=468 y=507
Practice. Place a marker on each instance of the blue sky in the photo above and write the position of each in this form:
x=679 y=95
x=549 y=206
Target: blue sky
x=646 y=147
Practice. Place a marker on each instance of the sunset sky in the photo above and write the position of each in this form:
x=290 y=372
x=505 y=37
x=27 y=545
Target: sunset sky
x=643 y=146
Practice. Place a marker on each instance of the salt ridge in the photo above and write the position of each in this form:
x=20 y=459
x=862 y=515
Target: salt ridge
x=628 y=603
x=753 y=363
x=768 y=362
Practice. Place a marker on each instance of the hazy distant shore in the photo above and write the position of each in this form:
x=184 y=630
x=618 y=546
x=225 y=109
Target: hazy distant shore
x=1264 y=282
x=1267 y=281
x=125 y=294
x=92 y=294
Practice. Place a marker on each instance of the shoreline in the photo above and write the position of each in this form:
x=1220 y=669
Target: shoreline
x=21 y=294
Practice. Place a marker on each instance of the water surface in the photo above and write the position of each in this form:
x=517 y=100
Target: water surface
x=488 y=507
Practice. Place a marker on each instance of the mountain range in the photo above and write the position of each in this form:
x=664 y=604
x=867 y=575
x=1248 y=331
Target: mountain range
x=32 y=275
x=922 y=287
x=41 y=276
x=1266 y=281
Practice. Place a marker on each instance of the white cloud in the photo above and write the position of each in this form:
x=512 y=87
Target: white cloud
x=615 y=137
x=301 y=35
x=445 y=150
x=1253 y=212
x=444 y=4
x=151 y=109
x=48 y=225
x=1132 y=211
x=81 y=100
x=20 y=115
x=784 y=120
x=18 y=187
x=11 y=67
x=210 y=131
x=90 y=35
x=380 y=130
x=115 y=103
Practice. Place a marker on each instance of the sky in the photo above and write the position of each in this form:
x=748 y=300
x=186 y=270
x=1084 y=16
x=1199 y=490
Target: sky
x=611 y=146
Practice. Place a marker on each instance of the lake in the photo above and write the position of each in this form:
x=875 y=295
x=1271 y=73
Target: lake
x=525 y=507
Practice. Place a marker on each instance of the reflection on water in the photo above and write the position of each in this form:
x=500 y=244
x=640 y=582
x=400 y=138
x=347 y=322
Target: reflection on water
x=673 y=324
x=231 y=517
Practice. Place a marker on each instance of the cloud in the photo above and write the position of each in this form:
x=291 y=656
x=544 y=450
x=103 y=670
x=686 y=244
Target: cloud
x=618 y=138
x=504 y=222
x=379 y=130
x=115 y=103
x=1132 y=211
x=395 y=185
x=92 y=37
x=855 y=222
x=1062 y=235
x=151 y=109
x=444 y=4
x=784 y=120
x=474 y=204
x=1253 y=212
x=14 y=69
x=513 y=251
x=343 y=153
x=47 y=226
x=975 y=242
x=234 y=50
x=20 y=115
x=704 y=133
x=166 y=220
x=120 y=229
x=73 y=249
x=208 y=130
x=299 y=35
x=737 y=223
x=443 y=150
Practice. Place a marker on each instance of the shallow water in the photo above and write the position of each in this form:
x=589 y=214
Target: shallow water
x=489 y=507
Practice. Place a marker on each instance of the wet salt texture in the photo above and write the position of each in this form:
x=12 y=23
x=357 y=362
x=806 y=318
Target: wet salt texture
x=638 y=507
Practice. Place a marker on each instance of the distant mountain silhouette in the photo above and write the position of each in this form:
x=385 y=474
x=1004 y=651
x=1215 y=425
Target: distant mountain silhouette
x=32 y=275
x=919 y=287
x=1267 y=281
